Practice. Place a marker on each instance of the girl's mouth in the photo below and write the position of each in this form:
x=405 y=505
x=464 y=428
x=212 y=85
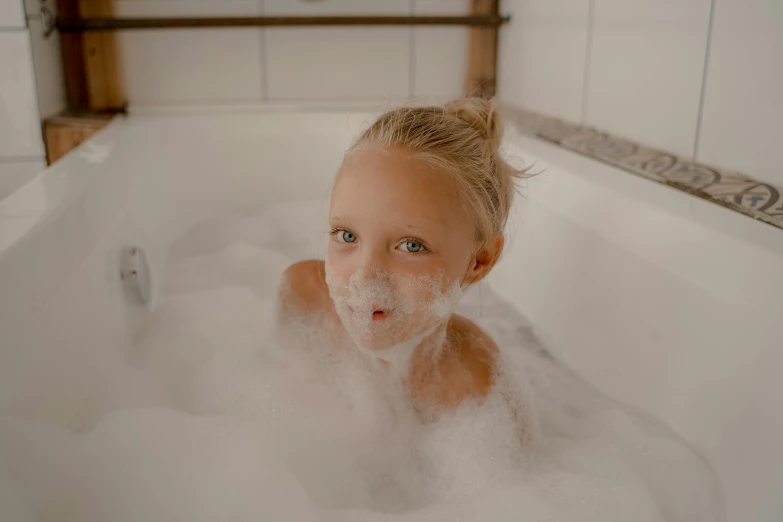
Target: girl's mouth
x=378 y=314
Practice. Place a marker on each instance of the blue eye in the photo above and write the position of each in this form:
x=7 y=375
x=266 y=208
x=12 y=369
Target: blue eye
x=412 y=246
x=346 y=237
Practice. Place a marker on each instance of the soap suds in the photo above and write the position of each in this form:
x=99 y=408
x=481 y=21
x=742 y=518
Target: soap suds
x=250 y=422
x=411 y=308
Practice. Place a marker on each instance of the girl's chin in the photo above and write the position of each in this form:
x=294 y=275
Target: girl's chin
x=379 y=341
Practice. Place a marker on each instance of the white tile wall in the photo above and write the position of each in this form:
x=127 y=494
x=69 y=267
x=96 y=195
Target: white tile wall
x=48 y=65
x=742 y=120
x=637 y=68
x=338 y=62
x=190 y=66
x=542 y=55
x=218 y=66
x=336 y=7
x=33 y=7
x=14 y=174
x=643 y=61
x=20 y=126
x=646 y=68
x=11 y=14
x=440 y=53
x=174 y=8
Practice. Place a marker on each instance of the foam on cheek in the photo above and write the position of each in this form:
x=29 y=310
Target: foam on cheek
x=444 y=303
x=414 y=308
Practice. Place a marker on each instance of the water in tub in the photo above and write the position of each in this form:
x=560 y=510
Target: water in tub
x=243 y=422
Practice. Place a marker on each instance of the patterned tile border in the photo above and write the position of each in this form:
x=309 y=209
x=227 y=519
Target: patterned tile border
x=733 y=190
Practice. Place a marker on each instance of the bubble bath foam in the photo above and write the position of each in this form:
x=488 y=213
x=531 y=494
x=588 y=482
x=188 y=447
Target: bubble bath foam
x=216 y=414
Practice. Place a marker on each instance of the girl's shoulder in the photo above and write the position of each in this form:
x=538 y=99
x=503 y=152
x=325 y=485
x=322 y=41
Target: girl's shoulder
x=476 y=355
x=303 y=287
x=466 y=369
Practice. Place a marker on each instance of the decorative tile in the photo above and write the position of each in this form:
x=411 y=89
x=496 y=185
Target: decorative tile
x=691 y=175
x=604 y=147
x=734 y=190
x=649 y=162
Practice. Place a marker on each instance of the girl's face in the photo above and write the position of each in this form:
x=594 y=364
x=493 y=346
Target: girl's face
x=400 y=248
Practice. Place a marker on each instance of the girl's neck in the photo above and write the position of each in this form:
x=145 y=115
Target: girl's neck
x=425 y=346
x=432 y=343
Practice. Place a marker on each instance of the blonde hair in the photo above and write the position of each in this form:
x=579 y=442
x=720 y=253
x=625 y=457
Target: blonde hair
x=462 y=138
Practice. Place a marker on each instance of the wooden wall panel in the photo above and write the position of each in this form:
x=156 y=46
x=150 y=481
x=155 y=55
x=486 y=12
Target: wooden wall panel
x=90 y=60
x=482 y=53
x=64 y=133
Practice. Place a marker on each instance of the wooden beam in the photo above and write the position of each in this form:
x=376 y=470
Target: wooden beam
x=102 y=60
x=106 y=23
x=72 y=48
x=90 y=60
x=481 y=76
x=64 y=133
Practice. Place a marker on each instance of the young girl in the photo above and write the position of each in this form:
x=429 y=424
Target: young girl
x=417 y=215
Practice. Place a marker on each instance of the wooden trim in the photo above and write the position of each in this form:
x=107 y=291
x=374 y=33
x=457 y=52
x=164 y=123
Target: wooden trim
x=68 y=24
x=90 y=60
x=64 y=133
x=481 y=76
x=102 y=60
x=72 y=48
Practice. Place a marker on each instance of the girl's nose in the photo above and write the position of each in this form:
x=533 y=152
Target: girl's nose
x=370 y=277
x=372 y=266
x=374 y=259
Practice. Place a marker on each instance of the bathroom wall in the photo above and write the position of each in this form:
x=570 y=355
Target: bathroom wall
x=30 y=89
x=292 y=64
x=228 y=66
x=700 y=78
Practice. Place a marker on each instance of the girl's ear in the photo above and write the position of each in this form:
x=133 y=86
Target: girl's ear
x=485 y=259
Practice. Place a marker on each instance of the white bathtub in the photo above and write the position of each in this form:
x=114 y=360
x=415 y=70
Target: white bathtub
x=662 y=300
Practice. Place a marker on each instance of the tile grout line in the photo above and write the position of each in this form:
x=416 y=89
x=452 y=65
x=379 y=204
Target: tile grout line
x=703 y=90
x=588 y=60
x=9 y=160
x=29 y=30
x=36 y=82
x=411 y=55
x=264 y=57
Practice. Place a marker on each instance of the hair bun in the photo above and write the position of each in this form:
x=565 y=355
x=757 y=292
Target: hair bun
x=480 y=114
